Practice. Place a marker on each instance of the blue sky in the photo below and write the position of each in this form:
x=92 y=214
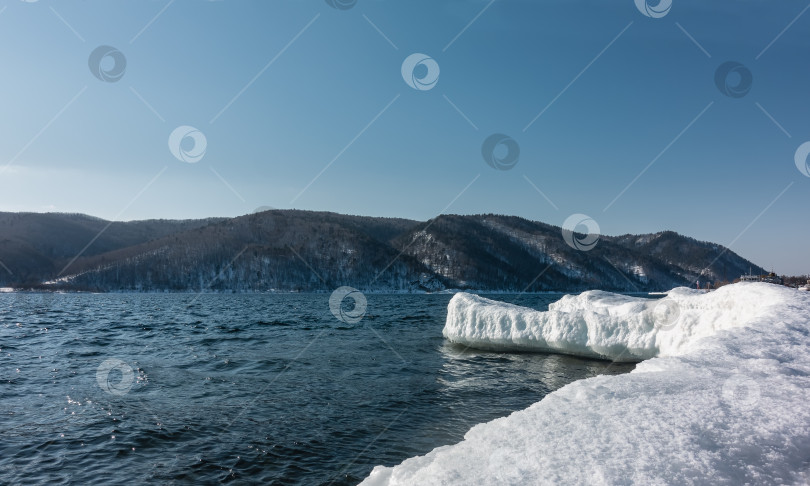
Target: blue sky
x=285 y=90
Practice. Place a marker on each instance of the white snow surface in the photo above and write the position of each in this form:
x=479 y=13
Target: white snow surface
x=723 y=398
x=601 y=324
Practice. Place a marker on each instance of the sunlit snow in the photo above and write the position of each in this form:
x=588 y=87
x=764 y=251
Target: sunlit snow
x=721 y=399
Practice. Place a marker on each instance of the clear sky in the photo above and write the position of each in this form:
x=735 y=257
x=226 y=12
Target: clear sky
x=297 y=104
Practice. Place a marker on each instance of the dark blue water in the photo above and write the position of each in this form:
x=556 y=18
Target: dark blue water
x=270 y=389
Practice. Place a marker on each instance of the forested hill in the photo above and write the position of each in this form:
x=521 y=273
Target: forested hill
x=310 y=251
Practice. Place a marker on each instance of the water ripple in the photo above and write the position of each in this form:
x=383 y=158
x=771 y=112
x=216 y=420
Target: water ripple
x=244 y=388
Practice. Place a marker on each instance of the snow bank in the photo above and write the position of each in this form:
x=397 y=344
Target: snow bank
x=603 y=325
x=730 y=408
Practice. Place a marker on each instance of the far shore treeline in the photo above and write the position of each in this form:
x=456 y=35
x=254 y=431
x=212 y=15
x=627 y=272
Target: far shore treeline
x=292 y=250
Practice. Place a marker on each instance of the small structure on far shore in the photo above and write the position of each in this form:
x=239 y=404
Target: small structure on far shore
x=769 y=278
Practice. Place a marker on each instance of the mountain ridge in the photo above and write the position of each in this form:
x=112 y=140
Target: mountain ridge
x=298 y=250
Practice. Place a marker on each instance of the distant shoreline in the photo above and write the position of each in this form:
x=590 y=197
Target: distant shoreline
x=292 y=250
x=10 y=290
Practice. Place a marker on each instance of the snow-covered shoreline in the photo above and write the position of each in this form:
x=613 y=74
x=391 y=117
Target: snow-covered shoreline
x=599 y=324
x=721 y=398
